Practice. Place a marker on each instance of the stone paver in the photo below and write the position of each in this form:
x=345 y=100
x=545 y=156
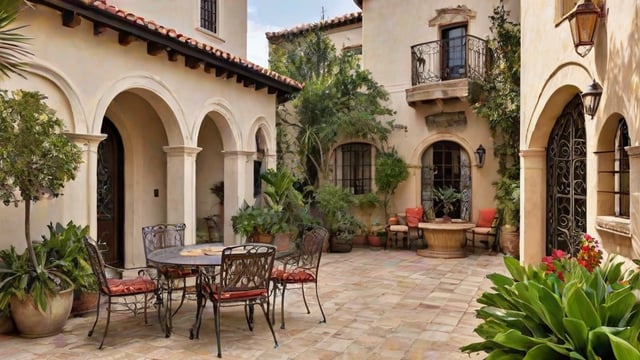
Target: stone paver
x=388 y=304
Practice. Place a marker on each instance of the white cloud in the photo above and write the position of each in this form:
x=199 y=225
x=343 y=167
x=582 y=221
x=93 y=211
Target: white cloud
x=257 y=44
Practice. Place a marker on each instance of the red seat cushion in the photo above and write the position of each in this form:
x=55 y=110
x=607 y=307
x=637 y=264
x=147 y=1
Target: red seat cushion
x=414 y=215
x=130 y=286
x=486 y=217
x=295 y=276
x=172 y=272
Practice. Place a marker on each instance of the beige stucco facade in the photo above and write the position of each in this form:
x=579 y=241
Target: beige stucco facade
x=182 y=128
x=553 y=74
x=388 y=30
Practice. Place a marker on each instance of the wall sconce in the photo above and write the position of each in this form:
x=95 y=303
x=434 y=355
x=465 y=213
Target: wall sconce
x=480 y=152
x=591 y=98
x=401 y=127
x=583 y=22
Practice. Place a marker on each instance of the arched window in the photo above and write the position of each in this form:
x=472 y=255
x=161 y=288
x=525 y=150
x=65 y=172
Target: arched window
x=353 y=163
x=444 y=164
x=621 y=170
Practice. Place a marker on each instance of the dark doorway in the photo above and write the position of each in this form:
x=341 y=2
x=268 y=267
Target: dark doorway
x=110 y=193
x=567 y=179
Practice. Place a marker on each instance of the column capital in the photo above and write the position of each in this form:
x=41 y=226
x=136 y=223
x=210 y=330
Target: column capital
x=533 y=152
x=181 y=150
x=633 y=151
x=86 y=138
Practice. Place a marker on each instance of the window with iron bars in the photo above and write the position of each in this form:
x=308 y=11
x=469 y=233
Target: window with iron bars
x=208 y=15
x=353 y=167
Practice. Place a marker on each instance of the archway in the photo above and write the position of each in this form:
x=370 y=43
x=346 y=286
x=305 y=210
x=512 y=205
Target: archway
x=567 y=179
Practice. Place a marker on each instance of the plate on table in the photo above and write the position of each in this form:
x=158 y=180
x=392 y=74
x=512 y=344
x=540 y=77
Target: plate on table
x=212 y=250
x=192 y=252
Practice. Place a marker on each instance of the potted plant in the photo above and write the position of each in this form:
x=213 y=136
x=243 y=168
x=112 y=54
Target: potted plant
x=367 y=203
x=258 y=224
x=508 y=204
x=212 y=225
x=36 y=160
x=65 y=242
x=334 y=203
x=281 y=195
x=391 y=170
x=446 y=196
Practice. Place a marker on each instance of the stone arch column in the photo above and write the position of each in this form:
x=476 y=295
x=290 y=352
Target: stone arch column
x=634 y=192
x=238 y=188
x=80 y=196
x=533 y=180
x=181 y=188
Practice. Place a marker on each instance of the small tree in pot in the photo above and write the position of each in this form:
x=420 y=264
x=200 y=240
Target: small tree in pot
x=36 y=160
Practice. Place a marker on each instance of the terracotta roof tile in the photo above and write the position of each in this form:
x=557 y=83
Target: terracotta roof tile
x=102 y=5
x=347 y=19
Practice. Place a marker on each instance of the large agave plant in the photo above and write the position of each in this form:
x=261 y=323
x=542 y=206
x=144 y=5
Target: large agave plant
x=536 y=315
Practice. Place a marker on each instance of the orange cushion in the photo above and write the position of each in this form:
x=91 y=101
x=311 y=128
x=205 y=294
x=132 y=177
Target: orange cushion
x=486 y=217
x=295 y=276
x=130 y=286
x=414 y=215
x=241 y=294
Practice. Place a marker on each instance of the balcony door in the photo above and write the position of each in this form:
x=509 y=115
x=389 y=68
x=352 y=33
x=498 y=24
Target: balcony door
x=454 y=52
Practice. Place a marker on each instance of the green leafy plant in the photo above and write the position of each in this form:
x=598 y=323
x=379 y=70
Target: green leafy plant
x=65 y=242
x=281 y=195
x=218 y=190
x=367 y=203
x=36 y=160
x=339 y=101
x=254 y=219
x=334 y=203
x=536 y=314
x=391 y=170
x=62 y=260
x=500 y=105
x=446 y=197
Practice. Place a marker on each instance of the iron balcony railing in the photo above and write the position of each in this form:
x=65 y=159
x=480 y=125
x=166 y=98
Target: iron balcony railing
x=454 y=58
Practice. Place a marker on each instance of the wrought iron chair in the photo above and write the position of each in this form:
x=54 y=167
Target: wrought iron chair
x=408 y=230
x=115 y=288
x=300 y=268
x=169 y=278
x=486 y=229
x=244 y=279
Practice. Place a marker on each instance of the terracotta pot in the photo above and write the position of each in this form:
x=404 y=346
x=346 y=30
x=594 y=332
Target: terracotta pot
x=6 y=324
x=32 y=322
x=510 y=243
x=282 y=241
x=83 y=302
x=393 y=220
x=360 y=240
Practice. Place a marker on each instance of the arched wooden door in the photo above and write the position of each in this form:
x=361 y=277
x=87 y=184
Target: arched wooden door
x=567 y=179
x=110 y=193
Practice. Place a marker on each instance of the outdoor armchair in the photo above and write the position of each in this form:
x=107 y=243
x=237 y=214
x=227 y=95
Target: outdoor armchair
x=300 y=268
x=115 y=288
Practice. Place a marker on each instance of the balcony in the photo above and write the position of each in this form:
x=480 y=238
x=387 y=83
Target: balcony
x=442 y=69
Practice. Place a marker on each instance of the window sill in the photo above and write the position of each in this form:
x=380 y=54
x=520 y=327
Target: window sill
x=210 y=34
x=614 y=225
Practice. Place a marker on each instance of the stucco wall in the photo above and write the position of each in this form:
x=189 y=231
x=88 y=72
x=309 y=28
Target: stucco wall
x=158 y=107
x=552 y=73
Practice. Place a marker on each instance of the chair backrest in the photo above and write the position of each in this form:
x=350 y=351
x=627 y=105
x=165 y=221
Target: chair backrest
x=310 y=247
x=246 y=267
x=486 y=217
x=414 y=216
x=162 y=236
x=97 y=263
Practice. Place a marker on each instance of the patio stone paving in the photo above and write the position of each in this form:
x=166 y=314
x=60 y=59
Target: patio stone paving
x=380 y=304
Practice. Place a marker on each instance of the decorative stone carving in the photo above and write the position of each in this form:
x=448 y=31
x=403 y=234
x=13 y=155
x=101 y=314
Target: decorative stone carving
x=458 y=14
x=446 y=120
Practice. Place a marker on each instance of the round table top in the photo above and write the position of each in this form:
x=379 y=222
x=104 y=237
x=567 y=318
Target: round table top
x=454 y=225
x=171 y=255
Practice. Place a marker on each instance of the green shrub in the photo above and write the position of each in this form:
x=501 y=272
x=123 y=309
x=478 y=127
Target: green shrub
x=534 y=314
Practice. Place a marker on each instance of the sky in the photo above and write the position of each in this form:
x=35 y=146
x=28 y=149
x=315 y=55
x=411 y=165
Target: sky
x=275 y=15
